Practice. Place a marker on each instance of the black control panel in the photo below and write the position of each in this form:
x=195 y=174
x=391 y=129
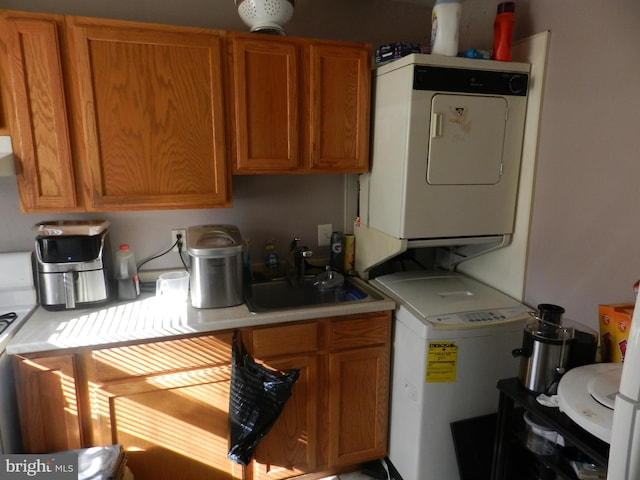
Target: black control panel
x=463 y=80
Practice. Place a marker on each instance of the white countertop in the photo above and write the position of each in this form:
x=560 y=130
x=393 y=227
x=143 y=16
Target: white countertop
x=149 y=318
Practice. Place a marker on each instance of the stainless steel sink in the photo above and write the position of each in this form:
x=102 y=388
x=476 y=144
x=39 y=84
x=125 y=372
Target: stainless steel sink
x=278 y=294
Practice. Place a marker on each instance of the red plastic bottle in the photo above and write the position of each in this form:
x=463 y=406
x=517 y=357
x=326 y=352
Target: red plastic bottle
x=503 y=31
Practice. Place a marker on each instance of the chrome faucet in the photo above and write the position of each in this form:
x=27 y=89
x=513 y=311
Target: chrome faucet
x=300 y=255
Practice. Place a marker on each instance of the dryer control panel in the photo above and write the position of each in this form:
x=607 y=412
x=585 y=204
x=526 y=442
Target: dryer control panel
x=466 y=80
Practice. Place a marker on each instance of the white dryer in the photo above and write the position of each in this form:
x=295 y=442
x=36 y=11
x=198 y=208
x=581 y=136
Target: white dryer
x=453 y=339
x=446 y=147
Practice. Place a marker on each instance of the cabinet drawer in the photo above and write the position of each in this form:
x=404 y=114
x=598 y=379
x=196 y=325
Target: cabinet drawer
x=153 y=358
x=285 y=340
x=367 y=329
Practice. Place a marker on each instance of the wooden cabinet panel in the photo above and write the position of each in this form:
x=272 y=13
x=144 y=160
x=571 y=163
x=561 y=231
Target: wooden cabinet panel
x=5 y=127
x=340 y=87
x=162 y=357
x=152 y=115
x=290 y=447
x=172 y=426
x=358 y=405
x=284 y=340
x=265 y=104
x=38 y=111
x=366 y=329
x=50 y=407
x=168 y=406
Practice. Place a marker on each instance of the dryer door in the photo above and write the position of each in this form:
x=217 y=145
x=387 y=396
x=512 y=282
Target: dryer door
x=466 y=139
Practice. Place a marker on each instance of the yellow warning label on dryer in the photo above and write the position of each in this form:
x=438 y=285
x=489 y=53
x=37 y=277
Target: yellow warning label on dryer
x=442 y=361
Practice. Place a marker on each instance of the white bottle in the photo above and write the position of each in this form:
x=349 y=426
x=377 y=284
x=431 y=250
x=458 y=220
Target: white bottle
x=445 y=20
x=126 y=274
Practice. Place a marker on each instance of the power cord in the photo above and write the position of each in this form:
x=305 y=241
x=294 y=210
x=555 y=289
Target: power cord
x=178 y=243
x=151 y=286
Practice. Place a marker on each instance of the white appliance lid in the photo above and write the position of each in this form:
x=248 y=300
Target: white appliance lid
x=435 y=293
x=576 y=396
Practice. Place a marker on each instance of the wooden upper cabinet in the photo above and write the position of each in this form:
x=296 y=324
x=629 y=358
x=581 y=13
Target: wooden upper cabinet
x=37 y=110
x=340 y=87
x=109 y=115
x=298 y=105
x=265 y=104
x=151 y=112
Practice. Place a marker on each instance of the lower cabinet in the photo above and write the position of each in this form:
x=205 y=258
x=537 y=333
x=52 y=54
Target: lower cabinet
x=357 y=423
x=167 y=402
x=290 y=447
x=50 y=403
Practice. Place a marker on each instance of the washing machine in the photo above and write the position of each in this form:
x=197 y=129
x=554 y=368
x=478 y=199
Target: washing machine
x=453 y=338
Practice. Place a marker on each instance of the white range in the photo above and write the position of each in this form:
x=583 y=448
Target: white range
x=18 y=300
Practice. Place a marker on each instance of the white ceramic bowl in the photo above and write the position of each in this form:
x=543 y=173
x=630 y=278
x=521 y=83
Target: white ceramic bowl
x=266 y=16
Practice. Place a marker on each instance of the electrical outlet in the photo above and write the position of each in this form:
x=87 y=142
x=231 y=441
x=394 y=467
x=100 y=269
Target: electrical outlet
x=324 y=234
x=174 y=238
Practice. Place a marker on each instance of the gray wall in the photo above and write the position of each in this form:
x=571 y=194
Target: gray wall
x=584 y=224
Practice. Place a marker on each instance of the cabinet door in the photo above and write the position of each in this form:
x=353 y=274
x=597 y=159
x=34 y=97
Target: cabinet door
x=172 y=426
x=167 y=403
x=290 y=447
x=151 y=106
x=266 y=104
x=37 y=99
x=340 y=88
x=358 y=405
x=50 y=407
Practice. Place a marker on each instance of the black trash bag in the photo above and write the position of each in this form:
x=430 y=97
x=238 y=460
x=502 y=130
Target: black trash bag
x=256 y=399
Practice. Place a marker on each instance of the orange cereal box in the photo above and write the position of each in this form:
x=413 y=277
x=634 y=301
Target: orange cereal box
x=615 y=321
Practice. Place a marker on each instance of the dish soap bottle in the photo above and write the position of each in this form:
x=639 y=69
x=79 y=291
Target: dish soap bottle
x=126 y=274
x=271 y=259
x=445 y=20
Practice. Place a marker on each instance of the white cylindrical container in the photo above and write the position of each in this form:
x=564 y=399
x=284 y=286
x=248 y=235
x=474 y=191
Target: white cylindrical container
x=126 y=274
x=445 y=21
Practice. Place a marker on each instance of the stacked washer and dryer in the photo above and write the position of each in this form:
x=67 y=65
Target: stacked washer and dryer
x=446 y=153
